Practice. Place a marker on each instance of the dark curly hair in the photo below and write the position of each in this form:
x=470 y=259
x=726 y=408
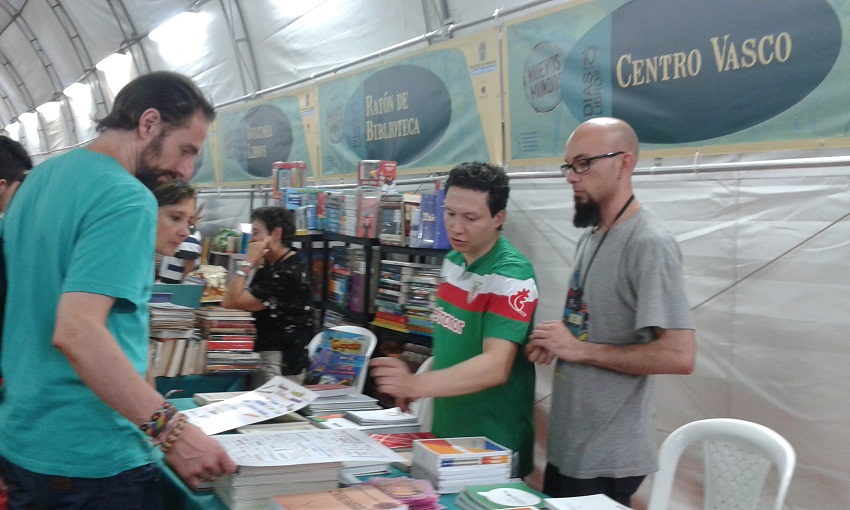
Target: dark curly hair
x=277 y=216
x=14 y=160
x=175 y=96
x=480 y=176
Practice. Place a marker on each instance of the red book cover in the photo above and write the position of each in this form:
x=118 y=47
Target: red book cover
x=230 y=345
x=401 y=440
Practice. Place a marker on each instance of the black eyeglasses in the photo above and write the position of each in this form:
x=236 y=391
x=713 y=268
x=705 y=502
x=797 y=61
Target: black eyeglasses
x=582 y=165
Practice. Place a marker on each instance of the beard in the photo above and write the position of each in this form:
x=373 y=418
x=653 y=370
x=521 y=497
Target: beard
x=148 y=172
x=586 y=214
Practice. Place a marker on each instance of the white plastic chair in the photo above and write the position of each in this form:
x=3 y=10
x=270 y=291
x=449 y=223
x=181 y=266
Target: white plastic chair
x=737 y=457
x=423 y=407
x=370 y=347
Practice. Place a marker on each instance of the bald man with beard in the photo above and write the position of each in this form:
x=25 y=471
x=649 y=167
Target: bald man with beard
x=626 y=318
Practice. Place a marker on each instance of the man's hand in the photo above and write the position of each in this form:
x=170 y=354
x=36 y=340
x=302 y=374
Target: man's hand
x=196 y=457
x=552 y=339
x=393 y=377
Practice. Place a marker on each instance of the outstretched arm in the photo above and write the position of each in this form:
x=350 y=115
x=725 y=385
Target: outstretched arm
x=490 y=368
x=82 y=336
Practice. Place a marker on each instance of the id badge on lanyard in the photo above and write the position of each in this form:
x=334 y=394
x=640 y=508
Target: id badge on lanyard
x=576 y=317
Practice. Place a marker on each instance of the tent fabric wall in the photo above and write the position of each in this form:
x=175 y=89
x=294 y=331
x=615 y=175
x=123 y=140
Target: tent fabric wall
x=767 y=277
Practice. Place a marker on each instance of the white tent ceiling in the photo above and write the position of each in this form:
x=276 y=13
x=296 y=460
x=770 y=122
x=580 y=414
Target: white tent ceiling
x=246 y=48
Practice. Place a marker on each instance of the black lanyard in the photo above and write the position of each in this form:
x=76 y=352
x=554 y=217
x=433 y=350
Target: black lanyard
x=592 y=257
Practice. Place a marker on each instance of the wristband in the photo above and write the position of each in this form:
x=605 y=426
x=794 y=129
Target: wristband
x=175 y=433
x=240 y=272
x=159 y=420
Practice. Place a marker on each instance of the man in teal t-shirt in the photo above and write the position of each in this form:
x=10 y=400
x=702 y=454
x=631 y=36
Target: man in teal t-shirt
x=75 y=405
x=481 y=378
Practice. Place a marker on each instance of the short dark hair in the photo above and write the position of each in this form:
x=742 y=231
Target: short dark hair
x=277 y=216
x=173 y=192
x=480 y=176
x=14 y=160
x=175 y=96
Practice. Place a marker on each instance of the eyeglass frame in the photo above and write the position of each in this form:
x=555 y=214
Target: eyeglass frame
x=566 y=167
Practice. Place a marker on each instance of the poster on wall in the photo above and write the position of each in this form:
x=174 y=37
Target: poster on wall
x=257 y=134
x=716 y=77
x=427 y=112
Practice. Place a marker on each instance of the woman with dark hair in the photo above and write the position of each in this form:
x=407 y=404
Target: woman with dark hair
x=278 y=295
x=176 y=200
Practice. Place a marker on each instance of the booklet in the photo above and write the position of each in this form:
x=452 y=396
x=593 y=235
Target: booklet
x=275 y=398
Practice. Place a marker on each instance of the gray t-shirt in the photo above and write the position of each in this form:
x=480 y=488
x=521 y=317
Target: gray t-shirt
x=602 y=421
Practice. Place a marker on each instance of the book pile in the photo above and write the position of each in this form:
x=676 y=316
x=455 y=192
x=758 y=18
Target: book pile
x=174 y=341
x=367 y=216
x=400 y=441
x=291 y=462
x=338 y=404
x=372 y=421
x=416 y=494
x=357 y=497
x=514 y=495
x=228 y=340
x=339 y=268
x=452 y=464
x=406 y=295
x=251 y=487
x=391 y=217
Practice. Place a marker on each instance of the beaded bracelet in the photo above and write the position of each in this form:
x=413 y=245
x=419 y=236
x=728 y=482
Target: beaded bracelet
x=175 y=433
x=159 y=420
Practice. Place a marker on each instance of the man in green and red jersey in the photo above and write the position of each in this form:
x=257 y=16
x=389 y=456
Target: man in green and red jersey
x=482 y=381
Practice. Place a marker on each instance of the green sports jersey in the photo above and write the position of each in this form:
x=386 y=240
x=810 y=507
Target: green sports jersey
x=495 y=297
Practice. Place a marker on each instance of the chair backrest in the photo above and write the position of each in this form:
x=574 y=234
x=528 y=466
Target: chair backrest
x=737 y=457
x=370 y=337
x=423 y=407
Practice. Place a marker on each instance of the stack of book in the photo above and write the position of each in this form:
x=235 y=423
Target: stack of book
x=339 y=269
x=251 y=487
x=452 y=464
x=228 y=340
x=370 y=421
x=391 y=217
x=405 y=296
x=291 y=462
x=357 y=497
x=516 y=495
x=338 y=404
x=174 y=341
x=421 y=300
x=367 y=214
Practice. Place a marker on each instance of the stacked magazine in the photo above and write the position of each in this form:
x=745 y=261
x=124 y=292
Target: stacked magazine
x=291 y=462
x=453 y=463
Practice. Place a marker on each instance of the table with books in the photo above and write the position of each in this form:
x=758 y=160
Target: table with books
x=179 y=497
x=338 y=463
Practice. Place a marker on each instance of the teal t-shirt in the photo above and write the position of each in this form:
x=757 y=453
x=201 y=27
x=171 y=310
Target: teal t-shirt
x=495 y=297
x=80 y=223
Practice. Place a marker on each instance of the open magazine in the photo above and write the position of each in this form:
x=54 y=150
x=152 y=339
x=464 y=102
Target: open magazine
x=337 y=364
